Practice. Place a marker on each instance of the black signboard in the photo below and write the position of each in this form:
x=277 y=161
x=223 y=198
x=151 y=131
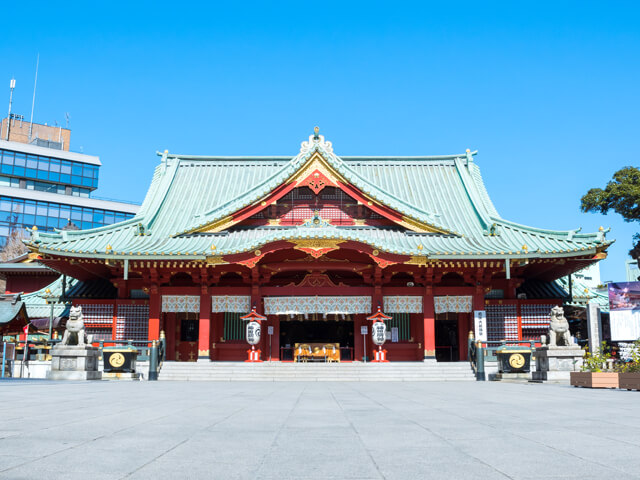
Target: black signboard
x=119 y=360
x=514 y=361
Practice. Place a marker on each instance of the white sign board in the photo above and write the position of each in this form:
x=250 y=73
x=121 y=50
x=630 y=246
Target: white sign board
x=394 y=334
x=270 y=330
x=625 y=324
x=364 y=330
x=480 y=325
x=624 y=310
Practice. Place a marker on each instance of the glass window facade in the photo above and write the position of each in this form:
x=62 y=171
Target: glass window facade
x=48 y=169
x=20 y=213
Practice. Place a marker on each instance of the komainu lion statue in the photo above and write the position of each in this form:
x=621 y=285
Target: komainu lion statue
x=74 y=333
x=559 y=334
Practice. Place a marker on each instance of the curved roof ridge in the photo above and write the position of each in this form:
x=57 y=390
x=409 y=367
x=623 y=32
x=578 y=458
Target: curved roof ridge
x=163 y=185
x=89 y=232
x=158 y=173
x=288 y=157
x=476 y=200
x=478 y=179
x=545 y=231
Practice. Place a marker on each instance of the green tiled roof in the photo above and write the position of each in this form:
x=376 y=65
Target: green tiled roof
x=36 y=302
x=10 y=306
x=446 y=192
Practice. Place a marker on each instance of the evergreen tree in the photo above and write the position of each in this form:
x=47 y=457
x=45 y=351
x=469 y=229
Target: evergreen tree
x=622 y=195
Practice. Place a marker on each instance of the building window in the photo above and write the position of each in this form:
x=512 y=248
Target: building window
x=233 y=326
x=47 y=216
x=38 y=167
x=401 y=321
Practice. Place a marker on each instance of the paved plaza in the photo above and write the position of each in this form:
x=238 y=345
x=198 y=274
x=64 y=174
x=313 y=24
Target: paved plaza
x=151 y=430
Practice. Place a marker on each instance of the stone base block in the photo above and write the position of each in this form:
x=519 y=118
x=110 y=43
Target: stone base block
x=68 y=375
x=554 y=364
x=74 y=362
x=513 y=377
x=552 y=377
x=123 y=376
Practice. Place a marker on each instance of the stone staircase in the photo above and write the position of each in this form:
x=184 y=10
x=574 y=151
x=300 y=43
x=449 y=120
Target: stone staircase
x=317 y=372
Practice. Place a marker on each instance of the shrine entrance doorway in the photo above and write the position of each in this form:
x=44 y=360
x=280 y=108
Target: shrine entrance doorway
x=317 y=332
x=446 y=333
x=186 y=337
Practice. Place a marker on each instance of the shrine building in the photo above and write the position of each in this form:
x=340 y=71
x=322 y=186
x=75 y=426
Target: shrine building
x=316 y=243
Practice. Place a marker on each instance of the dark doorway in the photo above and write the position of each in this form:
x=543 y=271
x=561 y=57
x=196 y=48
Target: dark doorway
x=187 y=337
x=446 y=331
x=310 y=331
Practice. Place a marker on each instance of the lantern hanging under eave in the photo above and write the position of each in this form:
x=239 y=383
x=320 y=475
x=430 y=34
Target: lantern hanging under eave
x=379 y=334
x=379 y=328
x=253 y=333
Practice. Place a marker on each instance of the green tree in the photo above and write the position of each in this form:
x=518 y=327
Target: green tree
x=622 y=195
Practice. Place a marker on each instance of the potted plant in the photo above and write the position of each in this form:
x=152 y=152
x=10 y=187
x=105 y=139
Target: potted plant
x=597 y=370
x=629 y=372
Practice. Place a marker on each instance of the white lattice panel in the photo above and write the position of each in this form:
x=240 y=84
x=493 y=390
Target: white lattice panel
x=132 y=323
x=535 y=320
x=502 y=322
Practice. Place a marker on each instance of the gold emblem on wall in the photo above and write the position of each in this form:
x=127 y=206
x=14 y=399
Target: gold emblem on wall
x=516 y=360
x=116 y=360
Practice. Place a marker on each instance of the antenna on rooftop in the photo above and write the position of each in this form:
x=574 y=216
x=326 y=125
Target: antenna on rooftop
x=67 y=117
x=33 y=102
x=12 y=85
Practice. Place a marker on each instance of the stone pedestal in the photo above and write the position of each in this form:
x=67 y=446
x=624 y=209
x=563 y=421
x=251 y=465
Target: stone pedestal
x=74 y=362
x=511 y=377
x=554 y=364
x=126 y=376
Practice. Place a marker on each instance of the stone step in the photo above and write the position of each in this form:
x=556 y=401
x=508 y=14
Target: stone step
x=316 y=372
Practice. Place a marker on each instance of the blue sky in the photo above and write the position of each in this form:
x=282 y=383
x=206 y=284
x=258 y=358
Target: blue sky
x=546 y=91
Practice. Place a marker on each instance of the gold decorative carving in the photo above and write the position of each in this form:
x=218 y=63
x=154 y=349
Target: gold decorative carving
x=203 y=353
x=317 y=247
x=216 y=260
x=316 y=280
x=418 y=260
x=317 y=163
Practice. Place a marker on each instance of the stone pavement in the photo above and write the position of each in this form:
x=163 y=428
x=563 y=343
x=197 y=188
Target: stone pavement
x=180 y=430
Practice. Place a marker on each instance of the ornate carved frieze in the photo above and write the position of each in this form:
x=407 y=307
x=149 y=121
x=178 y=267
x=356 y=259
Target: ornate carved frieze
x=316 y=247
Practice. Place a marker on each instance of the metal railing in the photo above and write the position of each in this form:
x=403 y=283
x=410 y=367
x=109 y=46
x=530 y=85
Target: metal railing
x=154 y=352
x=476 y=354
x=493 y=346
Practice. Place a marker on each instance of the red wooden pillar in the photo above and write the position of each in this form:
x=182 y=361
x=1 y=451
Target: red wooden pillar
x=358 y=338
x=429 y=315
x=114 y=324
x=155 y=300
x=463 y=334
x=256 y=301
x=204 y=326
x=170 y=320
x=274 y=321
